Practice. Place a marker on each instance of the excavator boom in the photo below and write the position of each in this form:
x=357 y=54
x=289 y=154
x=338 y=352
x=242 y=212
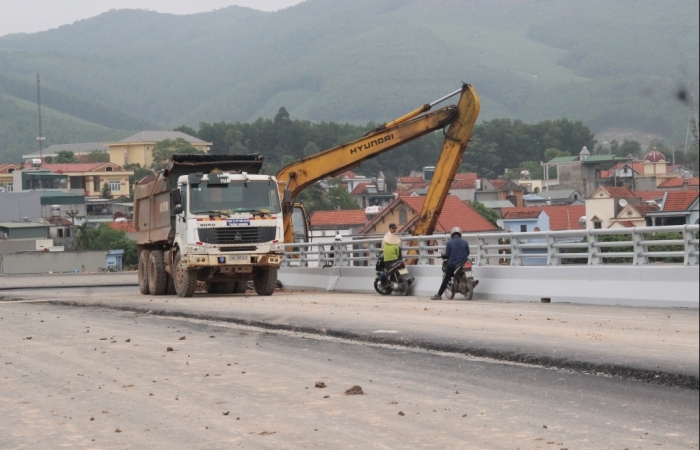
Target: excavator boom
x=301 y=174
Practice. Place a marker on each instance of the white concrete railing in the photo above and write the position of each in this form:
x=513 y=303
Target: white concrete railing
x=554 y=248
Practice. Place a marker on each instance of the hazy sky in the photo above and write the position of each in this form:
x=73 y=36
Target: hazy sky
x=29 y=16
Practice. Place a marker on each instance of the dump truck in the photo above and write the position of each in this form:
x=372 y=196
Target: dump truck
x=209 y=218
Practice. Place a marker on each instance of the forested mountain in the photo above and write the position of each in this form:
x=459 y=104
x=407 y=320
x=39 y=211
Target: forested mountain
x=608 y=63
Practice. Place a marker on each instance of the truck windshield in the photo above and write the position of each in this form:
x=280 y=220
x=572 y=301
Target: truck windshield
x=257 y=197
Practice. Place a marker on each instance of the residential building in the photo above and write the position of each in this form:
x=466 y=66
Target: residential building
x=138 y=149
x=634 y=215
x=404 y=211
x=327 y=224
x=499 y=206
x=7 y=177
x=562 y=196
x=678 y=184
x=491 y=190
x=582 y=173
x=85 y=178
x=606 y=203
x=677 y=208
x=24 y=230
x=559 y=218
x=519 y=220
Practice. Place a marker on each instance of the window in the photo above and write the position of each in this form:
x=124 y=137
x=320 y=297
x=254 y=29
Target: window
x=597 y=225
x=523 y=228
x=403 y=216
x=115 y=185
x=67 y=233
x=109 y=169
x=60 y=232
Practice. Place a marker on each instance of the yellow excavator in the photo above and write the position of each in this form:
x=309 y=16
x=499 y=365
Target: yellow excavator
x=459 y=118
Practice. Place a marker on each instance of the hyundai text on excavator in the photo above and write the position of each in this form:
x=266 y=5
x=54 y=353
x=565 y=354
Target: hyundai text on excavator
x=460 y=119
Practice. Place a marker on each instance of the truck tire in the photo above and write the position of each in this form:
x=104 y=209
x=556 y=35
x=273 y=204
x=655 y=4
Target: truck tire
x=266 y=282
x=241 y=287
x=170 y=285
x=157 y=276
x=143 y=272
x=185 y=279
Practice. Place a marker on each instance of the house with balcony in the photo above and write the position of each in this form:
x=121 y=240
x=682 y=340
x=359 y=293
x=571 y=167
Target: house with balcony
x=493 y=190
x=87 y=178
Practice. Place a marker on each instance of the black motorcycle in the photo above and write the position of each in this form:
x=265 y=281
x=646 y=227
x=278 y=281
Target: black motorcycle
x=393 y=277
x=462 y=282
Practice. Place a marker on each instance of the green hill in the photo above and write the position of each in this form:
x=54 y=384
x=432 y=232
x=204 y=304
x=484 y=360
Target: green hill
x=608 y=63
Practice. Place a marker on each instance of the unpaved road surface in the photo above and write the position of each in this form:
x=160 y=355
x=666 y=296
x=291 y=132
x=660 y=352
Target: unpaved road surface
x=93 y=377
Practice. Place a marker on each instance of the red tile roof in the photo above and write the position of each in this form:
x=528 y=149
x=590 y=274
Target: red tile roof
x=561 y=218
x=644 y=209
x=359 y=189
x=521 y=214
x=650 y=195
x=466 y=183
x=619 y=192
x=678 y=182
x=80 y=167
x=348 y=174
x=5 y=167
x=455 y=213
x=638 y=167
x=498 y=184
x=410 y=180
x=466 y=176
x=679 y=200
x=627 y=224
x=128 y=227
x=340 y=218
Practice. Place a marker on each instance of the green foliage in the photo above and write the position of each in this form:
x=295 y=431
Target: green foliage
x=103 y=237
x=95 y=156
x=315 y=198
x=488 y=213
x=65 y=156
x=106 y=192
x=627 y=148
x=164 y=150
x=311 y=149
x=552 y=153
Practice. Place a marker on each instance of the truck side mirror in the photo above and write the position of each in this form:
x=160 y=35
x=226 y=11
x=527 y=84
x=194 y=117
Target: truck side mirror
x=177 y=197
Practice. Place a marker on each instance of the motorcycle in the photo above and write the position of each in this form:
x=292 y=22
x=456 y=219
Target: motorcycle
x=462 y=282
x=393 y=277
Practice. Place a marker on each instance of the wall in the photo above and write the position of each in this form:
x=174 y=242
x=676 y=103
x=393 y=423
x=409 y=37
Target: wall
x=655 y=285
x=60 y=262
x=8 y=247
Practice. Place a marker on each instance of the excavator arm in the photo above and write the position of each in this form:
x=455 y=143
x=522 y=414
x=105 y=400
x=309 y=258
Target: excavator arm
x=301 y=174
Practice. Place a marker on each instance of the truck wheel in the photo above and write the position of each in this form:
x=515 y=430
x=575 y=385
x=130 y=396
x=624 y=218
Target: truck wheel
x=170 y=285
x=143 y=272
x=157 y=276
x=266 y=282
x=241 y=287
x=185 y=279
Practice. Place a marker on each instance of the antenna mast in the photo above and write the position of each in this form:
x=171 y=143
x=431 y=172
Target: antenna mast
x=41 y=137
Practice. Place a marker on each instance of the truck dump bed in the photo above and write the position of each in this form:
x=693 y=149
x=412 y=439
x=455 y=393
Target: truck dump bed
x=154 y=219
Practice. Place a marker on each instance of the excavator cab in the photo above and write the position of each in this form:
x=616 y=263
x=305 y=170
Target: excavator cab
x=300 y=222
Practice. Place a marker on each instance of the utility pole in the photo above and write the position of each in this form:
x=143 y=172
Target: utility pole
x=41 y=137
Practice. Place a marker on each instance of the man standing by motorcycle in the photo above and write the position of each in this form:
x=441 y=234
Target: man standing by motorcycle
x=456 y=254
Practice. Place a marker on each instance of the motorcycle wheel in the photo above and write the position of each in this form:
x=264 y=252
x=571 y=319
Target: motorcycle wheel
x=469 y=293
x=449 y=291
x=381 y=290
x=403 y=287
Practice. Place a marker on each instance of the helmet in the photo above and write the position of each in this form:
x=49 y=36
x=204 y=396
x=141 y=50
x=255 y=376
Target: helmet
x=456 y=230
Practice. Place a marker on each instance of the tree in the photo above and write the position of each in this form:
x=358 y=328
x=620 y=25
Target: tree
x=187 y=130
x=311 y=149
x=340 y=198
x=552 y=153
x=628 y=147
x=164 y=150
x=534 y=168
x=106 y=192
x=95 y=156
x=488 y=213
x=65 y=156
x=105 y=238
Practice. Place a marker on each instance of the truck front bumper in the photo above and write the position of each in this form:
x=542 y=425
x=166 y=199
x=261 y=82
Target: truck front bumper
x=260 y=260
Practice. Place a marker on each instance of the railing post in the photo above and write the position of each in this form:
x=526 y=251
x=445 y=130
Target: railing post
x=689 y=248
x=593 y=259
x=480 y=251
x=515 y=253
x=638 y=248
x=423 y=257
x=551 y=250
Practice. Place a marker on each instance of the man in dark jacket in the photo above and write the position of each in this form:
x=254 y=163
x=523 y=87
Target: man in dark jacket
x=456 y=254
